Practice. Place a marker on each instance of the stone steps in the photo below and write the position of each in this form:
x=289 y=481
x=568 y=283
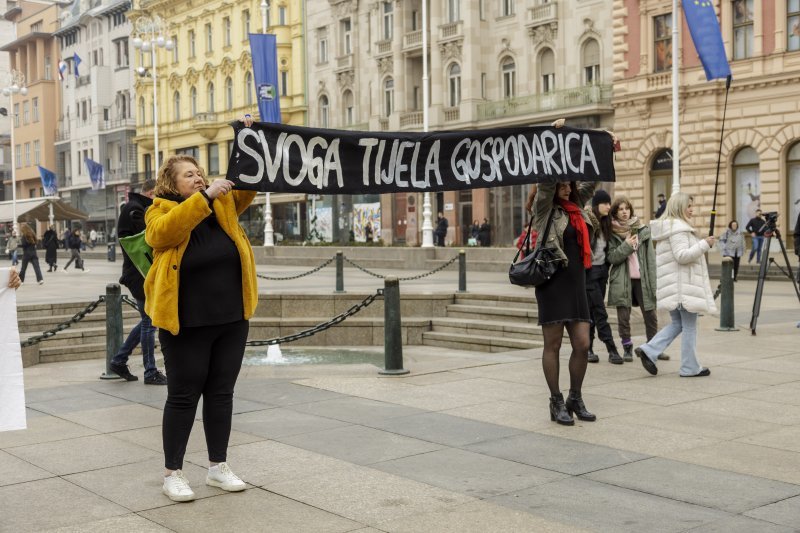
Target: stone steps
x=477 y=343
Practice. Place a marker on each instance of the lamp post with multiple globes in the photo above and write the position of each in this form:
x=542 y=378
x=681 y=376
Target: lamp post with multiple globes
x=14 y=85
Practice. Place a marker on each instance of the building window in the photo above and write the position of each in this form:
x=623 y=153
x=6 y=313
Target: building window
x=388 y=21
x=36 y=152
x=506 y=8
x=213 y=159
x=175 y=49
x=192 y=49
x=27 y=154
x=176 y=105
x=35 y=105
x=347 y=37
x=226 y=24
x=284 y=83
x=591 y=62
x=453 y=10
x=282 y=15
x=26 y=112
x=246 y=22
x=210 y=93
x=388 y=97
x=662 y=25
x=793 y=24
x=509 y=70
x=793 y=174
x=248 y=89
x=747 y=180
x=349 y=109
x=48 y=68
x=454 y=85
x=16 y=115
x=547 y=68
x=18 y=156
x=483 y=85
x=209 y=39
x=193 y=101
x=324 y=110
x=742 y=29
x=121 y=49
x=36 y=26
x=228 y=94
x=323 y=49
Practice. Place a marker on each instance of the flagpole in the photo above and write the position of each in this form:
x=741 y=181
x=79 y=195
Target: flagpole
x=676 y=156
x=427 y=226
x=269 y=231
x=719 y=156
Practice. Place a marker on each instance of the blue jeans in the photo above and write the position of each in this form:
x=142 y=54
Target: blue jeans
x=14 y=257
x=145 y=333
x=758 y=243
x=683 y=322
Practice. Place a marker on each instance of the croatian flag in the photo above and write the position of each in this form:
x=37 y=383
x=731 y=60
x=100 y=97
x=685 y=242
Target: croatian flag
x=49 y=182
x=76 y=58
x=62 y=69
x=96 y=174
x=707 y=37
x=263 y=50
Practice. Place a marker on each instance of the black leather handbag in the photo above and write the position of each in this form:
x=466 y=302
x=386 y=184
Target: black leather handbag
x=536 y=268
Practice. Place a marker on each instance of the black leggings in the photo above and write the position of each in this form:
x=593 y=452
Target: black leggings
x=596 y=281
x=203 y=360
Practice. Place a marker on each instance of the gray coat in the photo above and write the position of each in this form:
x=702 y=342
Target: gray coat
x=732 y=243
x=542 y=206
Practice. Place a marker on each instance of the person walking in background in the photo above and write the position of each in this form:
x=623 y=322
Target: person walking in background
x=200 y=292
x=662 y=205
x=797 y=240
x=441 y=229
x=756 y=228
x=74 y=242
x=485 y=233
x=65 y=238
x=50 y=242
x=368 y=232
x=562 y=301
x=29 y=254
x=733 y=245
x=597 y=277
x=475 y=232
x=131 y=222
x=632 y=278
x=11 y=248
x=92 y=238
x=683 y=285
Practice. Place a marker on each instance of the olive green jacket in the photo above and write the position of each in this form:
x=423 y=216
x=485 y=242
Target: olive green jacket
x=619 y=277
x=543 y=204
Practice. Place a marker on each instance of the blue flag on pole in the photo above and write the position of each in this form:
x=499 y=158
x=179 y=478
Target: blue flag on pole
x=49 y=182
x=707 y=37
x=96 y=174
x=77 y=60
x=263 y=49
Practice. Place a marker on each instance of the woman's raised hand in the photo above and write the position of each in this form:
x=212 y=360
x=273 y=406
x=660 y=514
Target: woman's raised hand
x=219 y=187
x=711 y=240
x=248 y=120
x=13 y=280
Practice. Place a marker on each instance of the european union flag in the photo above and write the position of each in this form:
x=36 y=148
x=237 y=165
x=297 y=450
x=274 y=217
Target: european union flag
x=707 y=37
x=49 y=182
x=263 y=50
x=95 y=174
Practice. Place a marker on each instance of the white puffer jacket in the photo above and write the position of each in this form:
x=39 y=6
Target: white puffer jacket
x=682 y=273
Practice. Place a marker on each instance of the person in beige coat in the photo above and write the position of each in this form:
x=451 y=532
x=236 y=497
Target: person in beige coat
x=682 y=285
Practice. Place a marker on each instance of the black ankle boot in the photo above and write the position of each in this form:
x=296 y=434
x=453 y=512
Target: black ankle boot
x=593 y=357
x=613 y=355
x=558 y=410
x=574 y=404
x=628 y=354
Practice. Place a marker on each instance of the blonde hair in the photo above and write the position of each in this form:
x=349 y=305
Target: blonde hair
x=167 y=178
x=677 y=205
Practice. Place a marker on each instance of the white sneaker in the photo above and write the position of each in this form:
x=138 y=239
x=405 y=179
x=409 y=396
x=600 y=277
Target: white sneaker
x=221 y=476
x=41 y=282
x=177 y=488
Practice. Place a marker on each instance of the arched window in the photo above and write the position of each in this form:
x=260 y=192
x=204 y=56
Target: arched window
x=324 y=111
x=547 y=68
x=349 y=108
x=248 y=91
x=228 y=94
x=793 y=179
x=193 y=101
x=660 y=178
x=509 y=69
x=210 y=92
x=142 y=116
x=591 y=62
x=454 y=85
x=388 y=97
x=176 y=105
x=747 y=179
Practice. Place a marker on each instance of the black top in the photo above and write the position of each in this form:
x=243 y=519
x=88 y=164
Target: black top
x=28 y=247
x=756 y=225
x=131 y=222
x=210 y=290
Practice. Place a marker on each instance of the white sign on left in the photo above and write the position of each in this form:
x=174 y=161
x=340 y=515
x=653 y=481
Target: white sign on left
x=12 y=388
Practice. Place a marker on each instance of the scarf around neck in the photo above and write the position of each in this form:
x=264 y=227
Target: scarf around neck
x=577 y=222
x=624 y=229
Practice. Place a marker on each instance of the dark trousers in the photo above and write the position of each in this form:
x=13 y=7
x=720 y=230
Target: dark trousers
x=596 y=281
x=34 y=261
x=76 y=256
x=624 y=315
x=200 y=361
x=736 y=261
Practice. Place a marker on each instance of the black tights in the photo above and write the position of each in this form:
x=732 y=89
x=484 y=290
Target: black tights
x=579 y=339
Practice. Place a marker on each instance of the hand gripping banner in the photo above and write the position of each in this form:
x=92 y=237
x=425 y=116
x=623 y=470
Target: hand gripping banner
x=280 y=158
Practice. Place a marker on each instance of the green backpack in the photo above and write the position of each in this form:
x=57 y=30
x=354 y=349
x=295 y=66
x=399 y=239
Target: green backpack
x=139 y=251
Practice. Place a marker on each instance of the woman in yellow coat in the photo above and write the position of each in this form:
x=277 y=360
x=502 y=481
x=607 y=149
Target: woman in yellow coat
x=200 y=292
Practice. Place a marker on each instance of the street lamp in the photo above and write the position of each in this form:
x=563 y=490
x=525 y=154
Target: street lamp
x=269 y=233
x=149 y=39
x=427 y=226
x=15 y=85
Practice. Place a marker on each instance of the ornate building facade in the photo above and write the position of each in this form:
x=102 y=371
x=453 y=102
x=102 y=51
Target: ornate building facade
x=491 y=64
x=760 y=162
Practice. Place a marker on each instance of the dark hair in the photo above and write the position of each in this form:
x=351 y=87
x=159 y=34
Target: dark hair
x=605 y=223
x=148 y=185
x=573 y=193
x=732 y=222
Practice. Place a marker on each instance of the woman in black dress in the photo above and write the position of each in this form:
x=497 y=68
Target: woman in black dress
x=562 y=301
x=50 y=242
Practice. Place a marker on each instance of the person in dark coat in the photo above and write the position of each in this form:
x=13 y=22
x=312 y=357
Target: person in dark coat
x=485 y=233
x=441 y=229
x=662 y=205
x=797 y=243
x=74 y=243
x=50 y=242
x=131 y=222
x=29 y=256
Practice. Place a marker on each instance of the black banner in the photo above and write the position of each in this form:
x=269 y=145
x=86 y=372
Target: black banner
x=279 y=158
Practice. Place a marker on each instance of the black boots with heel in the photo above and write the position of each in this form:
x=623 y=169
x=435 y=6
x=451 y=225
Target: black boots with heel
x=558 y=410
x=574 y=404
x=613 y=355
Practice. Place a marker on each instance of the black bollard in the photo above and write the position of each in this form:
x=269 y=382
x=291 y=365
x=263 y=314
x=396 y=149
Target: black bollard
x=727 y=320
x=339 y=271
x=113 y=327
x=393 y=339
x=462 y=271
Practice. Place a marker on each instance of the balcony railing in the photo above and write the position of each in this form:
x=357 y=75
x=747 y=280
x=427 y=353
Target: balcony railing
x=412 y=39
x=344 y=62
x=412 y=118
x=543 y=13
x=117 y=123
x=84 y=80
x=452 y=114
x=383 y=124
x=203 y=118
x=62 y=134
x=364 y=126
x=659 y=80
x=384 y=47
x=450 y=30
x=537 y=103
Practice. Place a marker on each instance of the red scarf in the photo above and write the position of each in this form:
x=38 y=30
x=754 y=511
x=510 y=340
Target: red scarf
x=576 y=219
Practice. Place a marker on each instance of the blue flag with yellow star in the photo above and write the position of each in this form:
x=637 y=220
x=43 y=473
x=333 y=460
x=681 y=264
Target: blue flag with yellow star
x=707 y=37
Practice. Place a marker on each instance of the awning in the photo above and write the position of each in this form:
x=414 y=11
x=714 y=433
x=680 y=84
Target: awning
x=33 y=209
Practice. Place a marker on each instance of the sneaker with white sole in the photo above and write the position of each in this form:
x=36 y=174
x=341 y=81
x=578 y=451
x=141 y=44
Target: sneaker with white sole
x=177 y=488
x=221 y=476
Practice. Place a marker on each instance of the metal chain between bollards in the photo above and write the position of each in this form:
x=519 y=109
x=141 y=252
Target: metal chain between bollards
x=287 y=278
x=77 y=317
x=409 y=278
x=320 y=327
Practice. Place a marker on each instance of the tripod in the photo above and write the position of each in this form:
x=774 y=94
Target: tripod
x=766 y=261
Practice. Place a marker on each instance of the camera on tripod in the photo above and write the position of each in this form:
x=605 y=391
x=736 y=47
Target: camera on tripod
x=771 y=218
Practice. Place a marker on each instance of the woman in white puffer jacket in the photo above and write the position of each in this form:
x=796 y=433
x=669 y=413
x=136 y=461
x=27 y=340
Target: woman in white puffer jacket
x=682 y=285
